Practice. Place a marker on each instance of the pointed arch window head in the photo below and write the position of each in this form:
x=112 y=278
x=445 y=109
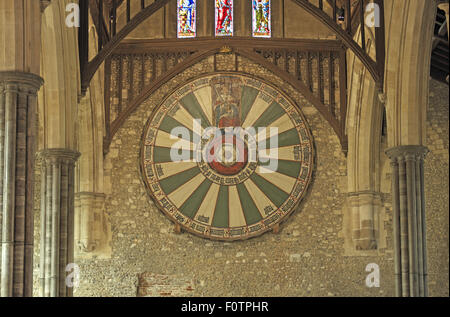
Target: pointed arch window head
x=261 y=18
x=224 y=17
x=187 y=16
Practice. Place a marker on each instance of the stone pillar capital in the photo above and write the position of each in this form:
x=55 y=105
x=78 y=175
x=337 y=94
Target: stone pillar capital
x=96 y=200
x=89 y=221
x=58 y=155
x=408 y=152
x=368 y=193
x=90 y=195
x=25 y=81
x=364 y=197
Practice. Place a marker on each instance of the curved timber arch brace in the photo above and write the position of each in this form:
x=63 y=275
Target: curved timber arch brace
x=88 y=68
x=375 y=68
x=316 y=69
x=113 y=40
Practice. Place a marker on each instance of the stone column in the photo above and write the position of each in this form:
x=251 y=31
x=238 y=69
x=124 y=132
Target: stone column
x=408 y=205
x=18 y=131
x=364 y=207
x=90 y=226
x=57 y=220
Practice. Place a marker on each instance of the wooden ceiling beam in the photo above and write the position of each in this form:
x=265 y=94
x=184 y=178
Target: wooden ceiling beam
x=346 y=38
x=91 y=67
x=100 y=25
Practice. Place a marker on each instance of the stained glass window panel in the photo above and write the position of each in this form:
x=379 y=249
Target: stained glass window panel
x=224 y=17
x=186 y=18
x=261 y=18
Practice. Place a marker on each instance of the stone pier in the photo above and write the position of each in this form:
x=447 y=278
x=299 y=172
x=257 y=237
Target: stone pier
x=17 y=154
x=57 y=220
x=364 y=207
x=408 y=204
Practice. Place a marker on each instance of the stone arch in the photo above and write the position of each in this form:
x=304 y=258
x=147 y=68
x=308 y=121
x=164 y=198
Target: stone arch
x=58 y=102
x=409 y=26
x=409 y=43
x=91 y=131
x=60 y=67
x=91 y=224
x=363 y=126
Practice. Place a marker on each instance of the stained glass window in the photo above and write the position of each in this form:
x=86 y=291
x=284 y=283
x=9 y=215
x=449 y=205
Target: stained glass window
x=186 y=18
x=261 y=18
x=224 y=17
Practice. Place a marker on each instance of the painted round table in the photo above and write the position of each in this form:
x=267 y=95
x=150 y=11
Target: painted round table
x=227 y=156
